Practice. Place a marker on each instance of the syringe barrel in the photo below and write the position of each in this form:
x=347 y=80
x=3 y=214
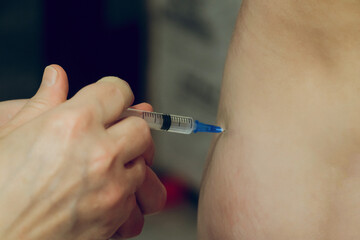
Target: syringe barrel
x=181 y=124
x=164 y=122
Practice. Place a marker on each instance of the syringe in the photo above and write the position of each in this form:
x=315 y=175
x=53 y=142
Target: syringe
x=171 y=123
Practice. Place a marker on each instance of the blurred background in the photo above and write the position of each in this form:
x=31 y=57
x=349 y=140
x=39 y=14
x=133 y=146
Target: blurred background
x=172 y=53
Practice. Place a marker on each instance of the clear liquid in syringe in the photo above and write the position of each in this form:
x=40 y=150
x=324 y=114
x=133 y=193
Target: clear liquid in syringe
x=171 y=123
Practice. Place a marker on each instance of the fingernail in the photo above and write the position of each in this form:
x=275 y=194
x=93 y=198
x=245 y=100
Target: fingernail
x=50 y=75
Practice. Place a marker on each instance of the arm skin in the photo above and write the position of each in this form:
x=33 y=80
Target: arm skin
x=288 y=166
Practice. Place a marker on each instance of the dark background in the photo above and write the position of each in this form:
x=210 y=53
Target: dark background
x=89 y=39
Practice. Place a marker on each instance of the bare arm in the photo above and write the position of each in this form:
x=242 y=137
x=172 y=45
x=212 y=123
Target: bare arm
x=287 y=166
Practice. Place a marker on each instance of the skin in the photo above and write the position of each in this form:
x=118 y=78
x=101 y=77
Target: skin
x=67 y=171
x=288 y=166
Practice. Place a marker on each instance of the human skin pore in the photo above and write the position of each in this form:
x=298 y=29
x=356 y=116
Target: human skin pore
x=288 y=165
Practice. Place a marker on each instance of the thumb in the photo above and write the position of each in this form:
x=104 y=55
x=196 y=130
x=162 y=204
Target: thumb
x=52 y=92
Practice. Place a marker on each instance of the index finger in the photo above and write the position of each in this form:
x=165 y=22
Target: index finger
x=107 y=98
x=150 y=151
x=143 y=106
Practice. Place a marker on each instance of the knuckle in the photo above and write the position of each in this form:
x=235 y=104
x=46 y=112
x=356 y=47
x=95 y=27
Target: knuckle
x=120 y=90
x=69 y=121
x=143 y=129
x=38 y=103
x=120 y=146
x=81 y=115
x=112 y=88
x=140 y=171
x=114 y=84
x=127 y=88
x=111 y=197
x=117 y=88
x=57 y=120
x=128 y=92
x=102 y=152
x=85 y=113
x=148 y=141
x=101 y=158
x=131 y=202
x=149 y=153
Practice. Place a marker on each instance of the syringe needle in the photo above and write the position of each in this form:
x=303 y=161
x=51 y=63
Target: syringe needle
x=171 y=123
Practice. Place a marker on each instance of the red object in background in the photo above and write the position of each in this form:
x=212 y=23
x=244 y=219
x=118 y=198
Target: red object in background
x=177 y=190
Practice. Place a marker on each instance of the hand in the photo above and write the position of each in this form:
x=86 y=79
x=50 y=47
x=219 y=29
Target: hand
x=9 y=109
x=64 y=175
x=151 y=196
